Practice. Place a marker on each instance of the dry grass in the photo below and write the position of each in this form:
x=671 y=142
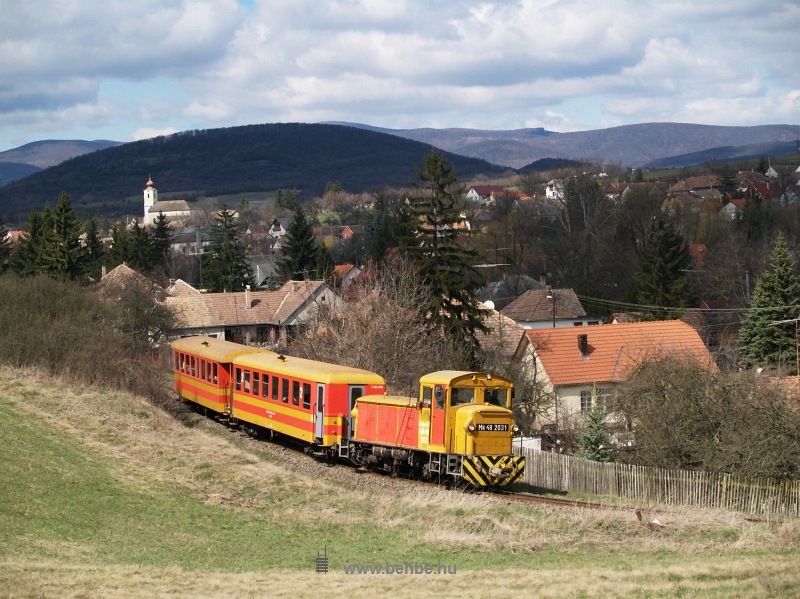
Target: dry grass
x=716 y=577
x=558 y=552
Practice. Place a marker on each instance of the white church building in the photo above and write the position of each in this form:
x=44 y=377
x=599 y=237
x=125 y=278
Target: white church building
x=172 y=209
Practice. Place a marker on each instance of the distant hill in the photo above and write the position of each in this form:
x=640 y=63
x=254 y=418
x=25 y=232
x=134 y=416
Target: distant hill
x=12 y=171
x=549 y=164
x=30 y=158
x=629 y=145
x=50 y=152
x=727 y=154
x=253 y=158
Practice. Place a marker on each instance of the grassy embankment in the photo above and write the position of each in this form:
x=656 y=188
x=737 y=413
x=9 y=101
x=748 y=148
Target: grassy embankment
x=105 y=495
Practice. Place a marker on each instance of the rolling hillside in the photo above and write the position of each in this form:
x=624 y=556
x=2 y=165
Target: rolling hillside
x=254 y=158
x=630 y=145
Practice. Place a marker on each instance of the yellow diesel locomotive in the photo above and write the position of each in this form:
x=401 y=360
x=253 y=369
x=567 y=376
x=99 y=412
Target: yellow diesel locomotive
x=459 y=428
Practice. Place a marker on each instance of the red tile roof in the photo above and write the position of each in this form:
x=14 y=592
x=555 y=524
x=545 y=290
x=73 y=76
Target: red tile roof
x=486 y=190
x=614 y=350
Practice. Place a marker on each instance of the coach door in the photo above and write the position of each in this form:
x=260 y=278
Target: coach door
x=355 y=391
x=319 y=419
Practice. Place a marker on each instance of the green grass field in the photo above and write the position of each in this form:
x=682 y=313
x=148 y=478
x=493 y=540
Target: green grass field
x=103 y=495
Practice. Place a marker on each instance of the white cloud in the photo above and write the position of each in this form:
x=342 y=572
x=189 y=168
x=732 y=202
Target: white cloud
x=147 y=133
x=559 y=64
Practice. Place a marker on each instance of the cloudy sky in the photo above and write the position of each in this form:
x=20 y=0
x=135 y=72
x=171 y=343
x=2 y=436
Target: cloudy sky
x=127 y=70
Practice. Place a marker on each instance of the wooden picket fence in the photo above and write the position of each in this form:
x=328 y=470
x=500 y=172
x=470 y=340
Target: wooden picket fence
x=757 y=496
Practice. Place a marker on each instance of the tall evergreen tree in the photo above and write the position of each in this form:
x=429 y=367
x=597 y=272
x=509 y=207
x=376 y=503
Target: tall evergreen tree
x=67 y=258
x=299 y=251
x=445 y=265
x=120 y=249
x=661 y=278
x=224 y=265
x=160 y=240
x=776 y=299
x=93 y=250
x=5 y=246
x=141 y=248
x=32 y=254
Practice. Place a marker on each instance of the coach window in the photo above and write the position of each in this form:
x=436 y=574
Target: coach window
x=285 y=390
x=306 y=396
x=255 y=383
x=275 y=388
x=295 y=393
x=194 y=367
x=239 y=379
x=265 y=386
x=247 y=381
x=216 y=378
x=438 y=393
x=203 y=369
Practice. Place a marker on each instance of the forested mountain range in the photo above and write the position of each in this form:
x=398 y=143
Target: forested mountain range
x=648 y=145
x=253 y=158
x=107 y=177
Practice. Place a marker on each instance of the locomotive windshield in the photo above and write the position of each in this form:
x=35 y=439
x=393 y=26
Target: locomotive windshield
x=460 y=396
x=497 y=397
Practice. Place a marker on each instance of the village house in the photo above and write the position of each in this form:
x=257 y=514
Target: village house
x=540 y=308
x=583 y=367
x=481 y=194
x=267 y=318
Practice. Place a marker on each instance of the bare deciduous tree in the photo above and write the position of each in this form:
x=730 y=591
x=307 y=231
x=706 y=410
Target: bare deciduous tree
x=381 y=328
x=686 y=417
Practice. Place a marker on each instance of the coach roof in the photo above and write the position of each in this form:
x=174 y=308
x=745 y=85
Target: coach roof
x=309 y=369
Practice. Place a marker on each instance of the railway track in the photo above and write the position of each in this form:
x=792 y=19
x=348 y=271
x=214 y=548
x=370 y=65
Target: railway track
x=284 y=448
x=561 y=501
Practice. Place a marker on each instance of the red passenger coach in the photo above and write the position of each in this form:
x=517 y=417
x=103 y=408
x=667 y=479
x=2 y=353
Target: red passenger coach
x=304 y=399
x=203 y=370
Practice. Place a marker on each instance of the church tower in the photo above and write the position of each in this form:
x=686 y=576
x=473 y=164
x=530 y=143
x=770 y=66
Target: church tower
x=150 y=198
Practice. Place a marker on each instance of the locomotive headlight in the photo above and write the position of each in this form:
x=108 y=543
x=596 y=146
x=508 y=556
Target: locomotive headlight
x=515 y=429
x=471 y=427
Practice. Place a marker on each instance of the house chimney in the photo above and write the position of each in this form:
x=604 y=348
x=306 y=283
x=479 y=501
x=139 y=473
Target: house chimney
x=583 y=345
x=103 y=271
x=247 y=304
x=543 y=278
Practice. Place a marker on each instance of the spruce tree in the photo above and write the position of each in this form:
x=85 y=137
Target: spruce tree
x=160 y=240
x=66 y=258
x=120 y=248
x=299 y=251
x=661 y=278
x=445 y=264
x=594 y=441
x=141 y=248
x=776 y=299
x=224 y=264
x=33 y=252
x=93 y=250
